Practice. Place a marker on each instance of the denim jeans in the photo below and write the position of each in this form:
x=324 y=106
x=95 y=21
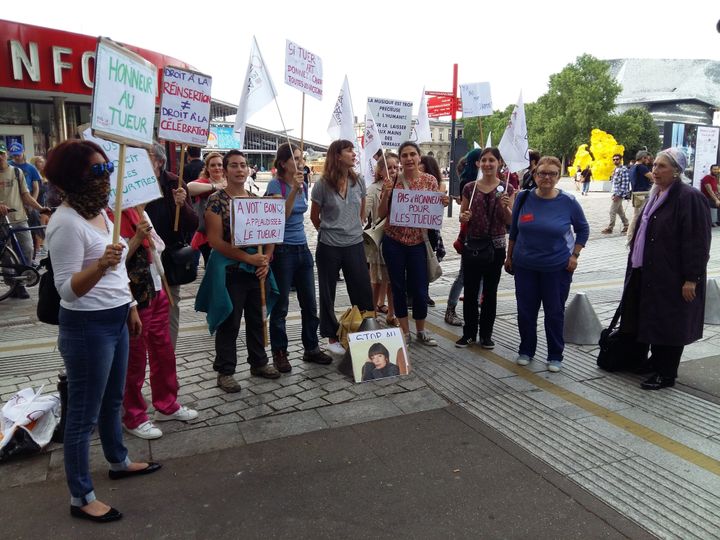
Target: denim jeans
x=294 y=265
x=407 y=266
x=551 y=289
x=94 y=348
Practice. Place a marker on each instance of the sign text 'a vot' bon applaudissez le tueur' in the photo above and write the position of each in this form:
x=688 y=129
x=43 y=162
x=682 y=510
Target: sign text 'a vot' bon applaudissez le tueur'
x=258 y=220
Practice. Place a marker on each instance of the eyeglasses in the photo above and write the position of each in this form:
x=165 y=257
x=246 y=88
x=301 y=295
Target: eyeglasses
x=99 y=169
x=547 y=174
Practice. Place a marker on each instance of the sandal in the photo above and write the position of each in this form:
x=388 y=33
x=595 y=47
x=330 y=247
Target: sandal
x=382 y=309
x=392 y=321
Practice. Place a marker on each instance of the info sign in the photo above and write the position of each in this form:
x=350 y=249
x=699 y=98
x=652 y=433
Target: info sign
x=393 y=119
x=140 y=185
x=185 y=107
x=258 y=220
x=123 y=107
x=476 y=100
x=303 y=70
x=419 y=209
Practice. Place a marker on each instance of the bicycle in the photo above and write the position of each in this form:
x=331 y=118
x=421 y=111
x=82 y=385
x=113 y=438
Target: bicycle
x=14 y=268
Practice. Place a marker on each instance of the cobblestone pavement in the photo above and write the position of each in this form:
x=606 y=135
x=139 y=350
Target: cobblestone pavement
x=596 y=428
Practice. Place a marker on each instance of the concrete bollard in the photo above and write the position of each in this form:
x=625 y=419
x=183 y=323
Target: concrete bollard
x=712 y=302
x=582 y=326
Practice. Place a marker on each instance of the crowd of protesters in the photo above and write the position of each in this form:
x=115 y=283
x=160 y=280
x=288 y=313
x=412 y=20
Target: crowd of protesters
x=118 y=314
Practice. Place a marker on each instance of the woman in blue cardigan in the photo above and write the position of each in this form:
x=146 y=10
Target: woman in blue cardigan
x=548 y=232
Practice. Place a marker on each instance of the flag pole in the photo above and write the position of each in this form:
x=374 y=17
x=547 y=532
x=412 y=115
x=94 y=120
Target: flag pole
x=263 y=304
x=180 y=179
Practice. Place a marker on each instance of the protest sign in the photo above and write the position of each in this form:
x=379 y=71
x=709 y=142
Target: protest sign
x=185 y=106
x=377 y=354
x=258 y=220
x=476 y=100
x=303 y=70
x=123 y=107
x=393 y=119
x=421 y=209
x=140 y=185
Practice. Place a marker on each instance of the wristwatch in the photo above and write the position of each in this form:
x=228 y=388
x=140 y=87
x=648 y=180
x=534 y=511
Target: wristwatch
x=576 y=254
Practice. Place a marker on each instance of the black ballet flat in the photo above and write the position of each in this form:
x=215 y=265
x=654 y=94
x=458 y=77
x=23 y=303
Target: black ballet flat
x=111 y=515
x=119 y=475
x=656 y=382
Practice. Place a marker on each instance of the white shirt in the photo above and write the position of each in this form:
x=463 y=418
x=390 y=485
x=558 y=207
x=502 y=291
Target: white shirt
x=74 y=244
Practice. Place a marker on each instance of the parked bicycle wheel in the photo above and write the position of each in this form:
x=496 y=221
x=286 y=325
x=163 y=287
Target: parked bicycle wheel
x=8 y=263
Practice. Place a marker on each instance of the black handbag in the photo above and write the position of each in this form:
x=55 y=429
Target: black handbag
x=481 y=249
x=48 y=306
x=180 y=263
x=616 y=348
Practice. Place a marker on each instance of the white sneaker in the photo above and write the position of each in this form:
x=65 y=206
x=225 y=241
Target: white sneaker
x=523 y=360
x=145 y=431
x=336 y=348
x=183 y=414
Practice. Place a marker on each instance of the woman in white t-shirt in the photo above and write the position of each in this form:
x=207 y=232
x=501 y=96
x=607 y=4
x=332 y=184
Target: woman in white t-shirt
x=97 y=314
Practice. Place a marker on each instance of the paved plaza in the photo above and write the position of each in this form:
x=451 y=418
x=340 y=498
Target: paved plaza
x=615 y=461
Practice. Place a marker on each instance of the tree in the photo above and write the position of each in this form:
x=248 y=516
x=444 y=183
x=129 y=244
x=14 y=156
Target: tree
x=579 y=98
x=635 y=130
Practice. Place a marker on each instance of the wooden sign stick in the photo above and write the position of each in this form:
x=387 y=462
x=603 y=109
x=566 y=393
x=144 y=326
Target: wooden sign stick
x=263 y=303
x=180 y=180
x=118 y=195
x=302 y=124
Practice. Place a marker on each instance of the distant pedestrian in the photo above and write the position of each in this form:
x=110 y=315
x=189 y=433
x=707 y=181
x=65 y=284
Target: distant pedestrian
x=586 y=178
x=620 y=191
x=641 y=180
x=709 y=187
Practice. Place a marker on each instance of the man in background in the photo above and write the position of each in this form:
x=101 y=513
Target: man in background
x=620 y=191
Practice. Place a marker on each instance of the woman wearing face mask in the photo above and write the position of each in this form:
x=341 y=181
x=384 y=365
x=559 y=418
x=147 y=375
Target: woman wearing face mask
x=486 y=208
x=210 y=180
x=404 y=247
x=97 y=314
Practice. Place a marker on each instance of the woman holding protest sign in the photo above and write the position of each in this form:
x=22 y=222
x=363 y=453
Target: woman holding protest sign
x=404 y=247
x=486 y=208
x=292 y=262
x=387 y=167
x=231 y=285
x=337 y=210
x=212 y=178
x=97 y=314
x=153 y=345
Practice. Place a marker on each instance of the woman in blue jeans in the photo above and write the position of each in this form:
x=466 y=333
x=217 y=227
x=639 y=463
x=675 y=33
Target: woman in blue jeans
x=97 y=313
x=547 y=233
x=293 y=263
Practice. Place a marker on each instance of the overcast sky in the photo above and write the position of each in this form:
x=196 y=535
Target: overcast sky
x=392 y=49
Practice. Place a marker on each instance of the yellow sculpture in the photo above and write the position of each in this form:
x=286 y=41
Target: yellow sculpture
x=603 y=147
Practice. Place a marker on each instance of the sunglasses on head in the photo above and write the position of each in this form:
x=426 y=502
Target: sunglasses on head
x=99 y=169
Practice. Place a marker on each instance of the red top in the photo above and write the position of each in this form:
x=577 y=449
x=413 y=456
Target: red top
x=709 y=180
x=410 y=236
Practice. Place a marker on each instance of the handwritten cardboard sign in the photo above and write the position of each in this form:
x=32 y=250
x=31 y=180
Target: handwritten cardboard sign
x=476 y=100
x=140 y=185
x=258 y=220
x=123 y=107
x=419 y=209
x=185 y=106
x=393 y=119
x=303 y=70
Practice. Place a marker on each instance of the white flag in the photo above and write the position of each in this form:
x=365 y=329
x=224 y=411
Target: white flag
x=371 y=145
x=489 y=140
x=343 y=119
x=475 y=145
x=421 y=129
x=514 y=143
x=258 y=91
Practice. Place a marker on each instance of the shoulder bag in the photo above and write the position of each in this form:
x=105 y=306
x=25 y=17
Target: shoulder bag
x=48 y=306
x=480 y=250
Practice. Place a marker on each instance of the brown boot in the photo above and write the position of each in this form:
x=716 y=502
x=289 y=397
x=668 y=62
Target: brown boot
x=281 y=362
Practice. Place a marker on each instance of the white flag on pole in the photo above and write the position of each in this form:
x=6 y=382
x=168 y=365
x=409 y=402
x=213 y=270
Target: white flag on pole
x=371 y=145
x=342 y=119
x=514 y=143
x=258 y=91
x=421 y=130
x=488 y=143
x=475 y=145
